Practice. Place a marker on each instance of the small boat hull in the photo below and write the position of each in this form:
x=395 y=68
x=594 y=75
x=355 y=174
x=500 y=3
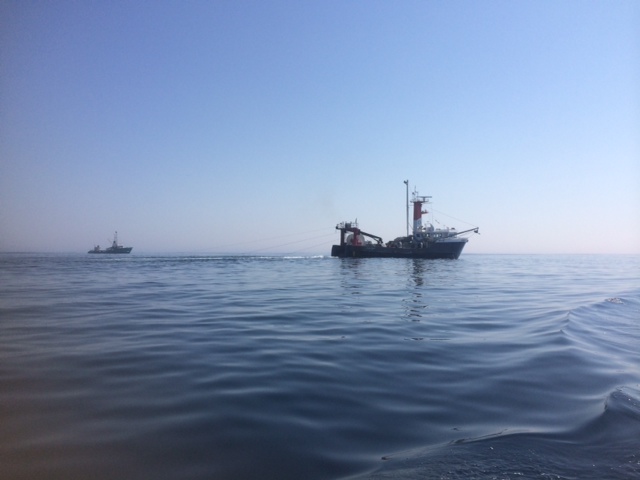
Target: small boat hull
x=112 y=250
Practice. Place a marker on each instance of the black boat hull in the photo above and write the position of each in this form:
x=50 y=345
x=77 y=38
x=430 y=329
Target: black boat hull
x=110 y=251
x=448 y=250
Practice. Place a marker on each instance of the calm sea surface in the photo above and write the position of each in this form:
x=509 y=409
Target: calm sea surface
x=205 y=367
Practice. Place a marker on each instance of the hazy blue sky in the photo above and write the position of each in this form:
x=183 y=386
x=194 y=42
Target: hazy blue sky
x=256 y=126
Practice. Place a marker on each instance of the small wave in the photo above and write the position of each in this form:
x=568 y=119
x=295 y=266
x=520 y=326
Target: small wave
x=614 y=300
x=606 y=447
x=606 y=333
x=624 y=401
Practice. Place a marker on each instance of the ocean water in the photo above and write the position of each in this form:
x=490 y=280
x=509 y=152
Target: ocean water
x=209 y=367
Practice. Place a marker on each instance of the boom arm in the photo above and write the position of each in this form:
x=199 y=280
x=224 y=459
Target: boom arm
x=475 y=230
x=375 y=237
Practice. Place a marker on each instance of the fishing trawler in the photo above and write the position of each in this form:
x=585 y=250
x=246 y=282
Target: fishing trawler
x=426 y=241
x=114 y=248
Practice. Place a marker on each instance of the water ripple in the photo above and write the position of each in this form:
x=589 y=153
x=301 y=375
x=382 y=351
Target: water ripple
x=245 y=367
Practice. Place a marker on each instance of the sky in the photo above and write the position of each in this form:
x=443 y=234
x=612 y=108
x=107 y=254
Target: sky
x=255 y=127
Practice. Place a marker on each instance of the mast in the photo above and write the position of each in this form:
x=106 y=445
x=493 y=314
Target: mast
x=406 y=182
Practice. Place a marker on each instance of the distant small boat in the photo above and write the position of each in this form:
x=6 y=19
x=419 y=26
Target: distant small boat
x=114 y=248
